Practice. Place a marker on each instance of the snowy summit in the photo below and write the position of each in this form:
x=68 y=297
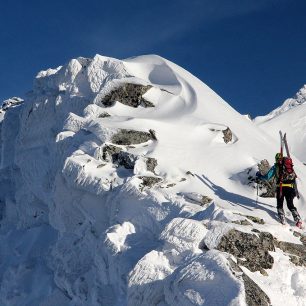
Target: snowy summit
x=130 y=182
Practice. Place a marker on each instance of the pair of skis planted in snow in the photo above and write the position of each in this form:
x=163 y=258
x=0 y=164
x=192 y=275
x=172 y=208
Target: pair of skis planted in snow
x=283 y=142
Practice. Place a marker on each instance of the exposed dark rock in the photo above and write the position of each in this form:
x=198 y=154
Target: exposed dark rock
x=128 y=137
x=297 y=251
x=256 y=219
x=297 y=234
x=170 y=185
x=253 y=219
x=128 y=94
x=183 y=179
x=254 y=295
x=196 y=198
x=149 y=181
x=153 y=134
x=110 y=153
x=227 y=135
x=189 y=173
x=101 y=165
x=104 y=115
x=250 y=250
x=206 y=200
x=303 y=239
x=151 y=164
x=242 y=222
x=268 y=188
x=263 y=167
x=125 y=159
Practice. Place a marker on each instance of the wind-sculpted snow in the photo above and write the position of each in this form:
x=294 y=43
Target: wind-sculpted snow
x=123 y=204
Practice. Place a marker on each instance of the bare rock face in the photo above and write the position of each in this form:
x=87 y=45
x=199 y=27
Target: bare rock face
x=297 y=252
x=254 y=295
x=268 y=188
x=116 y=155
x=104 y=115
x=227 y=135
x=251 y=251
x=151 y=164
x=150 y=181
x=128 y=137
x=128 y=94
x=126 y=160
x=110 y=152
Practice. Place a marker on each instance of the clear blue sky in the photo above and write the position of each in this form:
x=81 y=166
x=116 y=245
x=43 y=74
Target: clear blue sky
x=251 y=52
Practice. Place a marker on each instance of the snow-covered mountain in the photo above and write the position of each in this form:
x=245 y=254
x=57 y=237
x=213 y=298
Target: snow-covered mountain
x=130 y=183
x=290 y=117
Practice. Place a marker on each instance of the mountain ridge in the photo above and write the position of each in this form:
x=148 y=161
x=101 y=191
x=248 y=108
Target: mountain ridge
x=128 y=183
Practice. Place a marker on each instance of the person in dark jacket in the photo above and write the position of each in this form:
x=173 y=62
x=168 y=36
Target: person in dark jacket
x=285 y=188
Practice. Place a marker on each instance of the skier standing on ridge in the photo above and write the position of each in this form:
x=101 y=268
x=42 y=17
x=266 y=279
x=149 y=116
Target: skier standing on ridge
x=285 y=179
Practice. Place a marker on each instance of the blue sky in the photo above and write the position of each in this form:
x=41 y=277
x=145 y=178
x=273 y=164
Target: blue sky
x=251 y=52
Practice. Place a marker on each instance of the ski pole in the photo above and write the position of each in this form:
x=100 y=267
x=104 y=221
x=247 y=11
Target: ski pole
x=257 y=194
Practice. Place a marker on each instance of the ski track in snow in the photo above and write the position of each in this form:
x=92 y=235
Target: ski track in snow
x=78 y=230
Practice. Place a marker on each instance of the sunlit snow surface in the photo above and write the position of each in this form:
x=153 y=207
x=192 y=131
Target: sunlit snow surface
x=76 y=232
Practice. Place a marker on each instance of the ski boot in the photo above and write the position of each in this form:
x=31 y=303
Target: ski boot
x=299 y=224
x=282 y=219
x=281 y=216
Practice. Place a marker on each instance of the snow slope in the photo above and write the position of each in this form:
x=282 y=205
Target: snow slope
x=77 y=229
x=290 y=117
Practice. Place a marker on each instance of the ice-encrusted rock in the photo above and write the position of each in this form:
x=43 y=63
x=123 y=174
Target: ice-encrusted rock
x=145 y=286
x=199 y=283
x=183 y=235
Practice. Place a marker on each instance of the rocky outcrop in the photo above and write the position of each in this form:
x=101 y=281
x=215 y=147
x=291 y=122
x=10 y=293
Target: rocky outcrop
x=252 y=218
x=227 y=135
x=251 y=250
x=296 y=252
x=126 y=160
x=254 y=295
x=149 y=181
x=104 y=115
x=151 y=164
x=110 y=152
x=267 y=188
x=128 y=137
x=128 y=94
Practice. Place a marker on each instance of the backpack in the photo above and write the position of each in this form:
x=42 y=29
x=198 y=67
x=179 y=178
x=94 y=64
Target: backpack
x=287 y=171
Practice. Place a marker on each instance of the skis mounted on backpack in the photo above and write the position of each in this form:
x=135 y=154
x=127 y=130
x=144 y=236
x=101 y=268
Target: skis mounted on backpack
x=284 y=142
x=281 y=158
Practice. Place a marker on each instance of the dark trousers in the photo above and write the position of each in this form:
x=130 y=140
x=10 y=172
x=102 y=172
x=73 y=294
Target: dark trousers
x=288 y=193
